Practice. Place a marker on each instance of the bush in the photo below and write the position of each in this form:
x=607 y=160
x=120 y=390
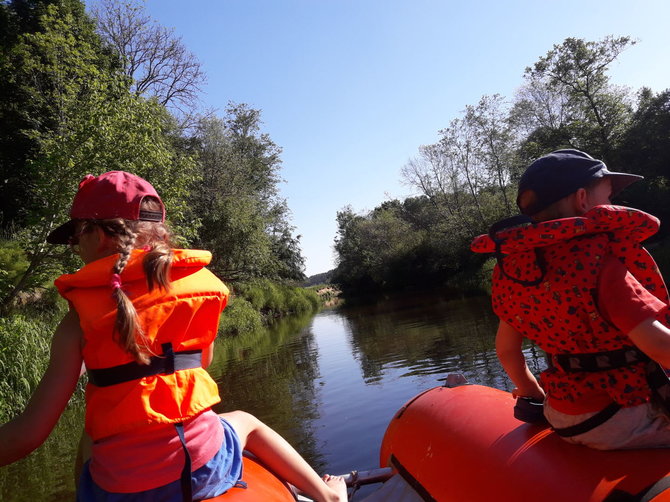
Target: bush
x=13 y=263
x=477 y=281
x=277 y=300
x=240 y=317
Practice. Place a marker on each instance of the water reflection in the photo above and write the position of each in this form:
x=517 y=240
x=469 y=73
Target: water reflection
x=272 y=374
x=48 y=473
x=426 y=335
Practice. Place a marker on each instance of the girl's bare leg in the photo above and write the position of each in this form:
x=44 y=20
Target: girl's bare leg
x=274 y=451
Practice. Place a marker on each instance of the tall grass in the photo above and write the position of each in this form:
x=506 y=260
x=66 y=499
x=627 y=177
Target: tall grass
x=25 y=339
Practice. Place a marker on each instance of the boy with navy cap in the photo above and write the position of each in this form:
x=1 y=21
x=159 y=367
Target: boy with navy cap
x=573 y=277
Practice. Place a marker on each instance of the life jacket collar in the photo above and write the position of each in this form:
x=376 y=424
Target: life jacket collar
x=525 y=236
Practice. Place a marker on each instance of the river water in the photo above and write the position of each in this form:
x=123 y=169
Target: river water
x=329 y=383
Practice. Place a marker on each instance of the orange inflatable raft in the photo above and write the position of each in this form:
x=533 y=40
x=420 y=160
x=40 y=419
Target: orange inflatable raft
x=464 y=444
x=262 y=486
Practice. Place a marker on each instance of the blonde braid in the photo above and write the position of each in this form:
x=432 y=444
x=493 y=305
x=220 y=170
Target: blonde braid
x=127 y=326
x=128 y=235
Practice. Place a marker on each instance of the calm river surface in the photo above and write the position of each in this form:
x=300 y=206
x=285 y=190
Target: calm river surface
x=328 y=383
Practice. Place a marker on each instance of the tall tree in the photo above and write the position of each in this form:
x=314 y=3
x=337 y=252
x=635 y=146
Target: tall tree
x=244 y=221
x=577 y=69
x=645 y=150
x=23 y=104
x=153 y=57
x=82 y=119
x=467 y=174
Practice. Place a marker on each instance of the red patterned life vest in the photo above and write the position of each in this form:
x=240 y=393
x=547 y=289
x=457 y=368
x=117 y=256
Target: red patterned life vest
x=547 y=286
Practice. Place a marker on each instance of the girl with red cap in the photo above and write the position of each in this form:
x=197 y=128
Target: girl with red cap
x=143 y=318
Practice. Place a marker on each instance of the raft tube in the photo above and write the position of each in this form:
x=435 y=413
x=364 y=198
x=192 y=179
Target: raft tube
x=464 y=444
x=262 y=486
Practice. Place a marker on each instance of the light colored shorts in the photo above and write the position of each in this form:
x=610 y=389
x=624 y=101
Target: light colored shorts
x=643 y=426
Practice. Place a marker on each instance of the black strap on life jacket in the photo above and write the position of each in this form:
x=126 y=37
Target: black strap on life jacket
x=657 y=379
x=165 y=364
x=597 y=361
x=515 y=221
x=186 y=488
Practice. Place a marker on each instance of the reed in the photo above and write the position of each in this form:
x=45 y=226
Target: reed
x=25 y=338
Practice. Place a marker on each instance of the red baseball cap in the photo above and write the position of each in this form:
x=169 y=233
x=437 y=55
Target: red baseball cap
x=116 y=194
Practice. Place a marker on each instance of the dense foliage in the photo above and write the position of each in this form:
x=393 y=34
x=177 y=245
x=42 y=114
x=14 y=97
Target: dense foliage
x=77 y=98
x=467 y=180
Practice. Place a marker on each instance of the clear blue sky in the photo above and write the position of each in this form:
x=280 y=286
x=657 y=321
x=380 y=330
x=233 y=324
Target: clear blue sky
x=351 y=88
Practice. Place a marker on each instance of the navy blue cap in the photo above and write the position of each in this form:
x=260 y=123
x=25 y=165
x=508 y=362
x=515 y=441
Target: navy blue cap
x=563 y=172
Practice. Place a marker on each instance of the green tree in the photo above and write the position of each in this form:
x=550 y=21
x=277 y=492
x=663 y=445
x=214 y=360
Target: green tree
x=244 y=221
x=82 y=120
x=577 y=70
x=385 y=249
x=22 y=104
x=645 y=150
x=467 y=174
x=153 y=57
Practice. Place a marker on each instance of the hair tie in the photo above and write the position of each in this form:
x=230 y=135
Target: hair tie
x=115 y=282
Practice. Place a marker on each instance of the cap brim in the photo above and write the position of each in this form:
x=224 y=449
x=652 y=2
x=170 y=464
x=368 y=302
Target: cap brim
x=62 y=234
x=621 y=181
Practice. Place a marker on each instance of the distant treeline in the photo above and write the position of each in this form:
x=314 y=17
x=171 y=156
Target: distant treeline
x=88 y=93
x=314 y=280
x=467 y=180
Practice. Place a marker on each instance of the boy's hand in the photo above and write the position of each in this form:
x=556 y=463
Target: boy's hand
x=536 y=394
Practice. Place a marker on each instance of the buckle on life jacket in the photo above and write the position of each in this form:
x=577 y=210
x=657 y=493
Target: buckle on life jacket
x=165 y=364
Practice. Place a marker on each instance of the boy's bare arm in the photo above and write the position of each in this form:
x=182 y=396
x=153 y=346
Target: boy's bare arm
x=653 y=338
x=508 y=348
x=30 y=429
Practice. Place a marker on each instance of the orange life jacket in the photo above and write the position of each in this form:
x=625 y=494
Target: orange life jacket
x=545 y=290
x=186 y=317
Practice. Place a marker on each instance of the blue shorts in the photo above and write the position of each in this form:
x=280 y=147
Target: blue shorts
x=217 y=476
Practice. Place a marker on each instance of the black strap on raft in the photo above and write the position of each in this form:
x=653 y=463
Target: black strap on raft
x=165 y=364
x=186 y=489
x=411 y=480
x=529 y=410
x=590 y=423
x=646 y=495
x=515 y=221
